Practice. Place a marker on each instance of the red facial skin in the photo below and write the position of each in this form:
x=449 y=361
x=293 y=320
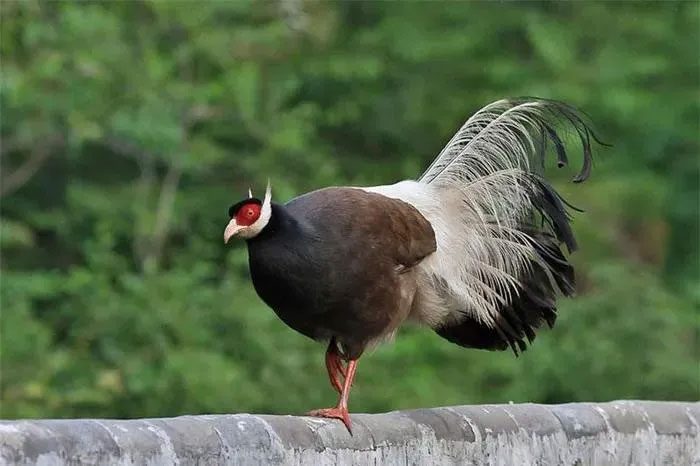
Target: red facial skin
x=248 y=214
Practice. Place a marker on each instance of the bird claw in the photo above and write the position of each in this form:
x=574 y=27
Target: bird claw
x=334 y=413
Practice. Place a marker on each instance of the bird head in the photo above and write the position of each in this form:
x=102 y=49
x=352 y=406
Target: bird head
x=249 y=216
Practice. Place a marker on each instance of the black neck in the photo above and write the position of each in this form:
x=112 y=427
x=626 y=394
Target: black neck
x=280 y=221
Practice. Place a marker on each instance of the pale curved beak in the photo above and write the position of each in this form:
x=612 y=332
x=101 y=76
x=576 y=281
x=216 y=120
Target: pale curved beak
x=231 y=230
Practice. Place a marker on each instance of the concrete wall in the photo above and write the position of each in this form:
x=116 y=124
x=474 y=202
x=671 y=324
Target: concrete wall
x=616 y=433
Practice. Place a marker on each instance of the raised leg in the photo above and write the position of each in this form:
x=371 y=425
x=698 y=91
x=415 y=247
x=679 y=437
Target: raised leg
x=341 y=411
x=334 y=366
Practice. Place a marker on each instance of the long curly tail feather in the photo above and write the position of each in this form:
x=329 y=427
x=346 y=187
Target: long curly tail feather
x=501 y=266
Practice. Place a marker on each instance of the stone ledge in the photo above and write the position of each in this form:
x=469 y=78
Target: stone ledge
x=615 y=433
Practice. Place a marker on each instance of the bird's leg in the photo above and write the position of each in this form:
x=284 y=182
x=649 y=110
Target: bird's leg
x=334 y=366
x=341 y=411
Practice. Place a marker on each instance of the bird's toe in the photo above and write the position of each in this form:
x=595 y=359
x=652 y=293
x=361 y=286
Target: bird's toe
x=333 y=413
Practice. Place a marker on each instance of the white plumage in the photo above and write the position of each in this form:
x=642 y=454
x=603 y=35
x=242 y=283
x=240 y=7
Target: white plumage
x=486 y=199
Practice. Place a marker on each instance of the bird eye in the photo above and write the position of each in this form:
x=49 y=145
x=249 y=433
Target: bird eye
x=250 y=213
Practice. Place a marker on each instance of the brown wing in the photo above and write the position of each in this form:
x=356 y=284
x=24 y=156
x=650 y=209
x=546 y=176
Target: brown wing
x=365 y=219
x=412 y=236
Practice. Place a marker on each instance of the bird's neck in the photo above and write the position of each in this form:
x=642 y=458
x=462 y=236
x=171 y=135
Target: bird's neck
x=281 y=223
x=280 y=254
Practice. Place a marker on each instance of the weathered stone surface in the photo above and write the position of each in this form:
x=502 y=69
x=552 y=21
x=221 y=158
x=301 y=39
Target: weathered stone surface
x=579 y=419
x=669 y=418
x=615 y=433
x=624 y=416
x=446 y=424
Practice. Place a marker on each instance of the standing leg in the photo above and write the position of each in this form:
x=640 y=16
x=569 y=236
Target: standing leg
x=341 y=411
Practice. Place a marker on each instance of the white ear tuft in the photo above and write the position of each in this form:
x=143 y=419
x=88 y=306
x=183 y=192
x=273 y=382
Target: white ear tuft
x=268 y=194
x=250 y=193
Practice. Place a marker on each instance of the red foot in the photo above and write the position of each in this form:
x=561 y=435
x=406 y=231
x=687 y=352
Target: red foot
x=334 y=413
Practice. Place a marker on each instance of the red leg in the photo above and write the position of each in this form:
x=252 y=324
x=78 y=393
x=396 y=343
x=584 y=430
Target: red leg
x=339 y=366
x=341 y=411
x=334 y=366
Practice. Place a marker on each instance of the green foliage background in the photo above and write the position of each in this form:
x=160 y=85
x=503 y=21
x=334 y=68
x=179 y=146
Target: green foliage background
x=128 y=128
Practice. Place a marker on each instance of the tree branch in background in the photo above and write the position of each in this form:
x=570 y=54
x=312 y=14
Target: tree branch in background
x=144 y=189
x=146 y=161
x=164 y=210
x=127 y=148
x=199 y=113
x=37 y=156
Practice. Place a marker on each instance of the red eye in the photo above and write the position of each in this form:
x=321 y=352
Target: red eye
x=248 y=214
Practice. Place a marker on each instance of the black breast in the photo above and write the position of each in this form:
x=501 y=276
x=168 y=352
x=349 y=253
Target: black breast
x=285 y=272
